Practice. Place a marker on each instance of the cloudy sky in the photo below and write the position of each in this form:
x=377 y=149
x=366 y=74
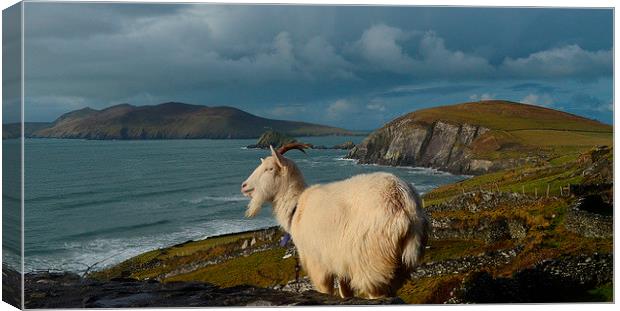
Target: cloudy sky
x=354 y=67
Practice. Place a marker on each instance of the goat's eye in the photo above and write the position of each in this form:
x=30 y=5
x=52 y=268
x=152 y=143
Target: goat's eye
x=269 y=169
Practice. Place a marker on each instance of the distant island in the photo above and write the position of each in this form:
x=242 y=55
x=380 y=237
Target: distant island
x=170 y=120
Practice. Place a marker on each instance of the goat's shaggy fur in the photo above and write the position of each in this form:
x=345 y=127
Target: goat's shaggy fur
x=368 y=231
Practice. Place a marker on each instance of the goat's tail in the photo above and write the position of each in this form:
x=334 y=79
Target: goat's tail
x=414 y=241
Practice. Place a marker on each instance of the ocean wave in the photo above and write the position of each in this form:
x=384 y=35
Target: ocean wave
x=231 y=198
x=240 y=225
x=59 y=196
x=417 y=170
x=77 y=256
x=345 y=159
x=423 y=189
x=122 y=197
x=117 y=229
x=12 y=260
x=98 y=253
x=414 y=170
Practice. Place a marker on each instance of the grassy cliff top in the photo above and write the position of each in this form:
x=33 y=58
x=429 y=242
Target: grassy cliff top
x=510 y=116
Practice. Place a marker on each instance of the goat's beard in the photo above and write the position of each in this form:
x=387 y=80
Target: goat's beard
x=256 y=203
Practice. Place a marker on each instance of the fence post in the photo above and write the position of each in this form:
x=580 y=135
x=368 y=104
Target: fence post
x=561 y=192
x=523 y=189
x=547 y=190
x=536 y=192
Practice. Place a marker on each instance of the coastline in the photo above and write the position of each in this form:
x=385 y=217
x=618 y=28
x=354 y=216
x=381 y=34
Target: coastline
x=253 y=261
x=489 y=232
x=194 y=199
x=482 y=234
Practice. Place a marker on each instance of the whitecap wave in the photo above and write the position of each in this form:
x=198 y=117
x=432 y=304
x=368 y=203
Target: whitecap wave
x=101 y=253
x=416 y=170
x=347 y=160
x=232 y=198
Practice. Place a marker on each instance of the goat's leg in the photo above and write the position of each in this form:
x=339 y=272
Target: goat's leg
x=377 y=293
x=326 y=284
x=344 y=287
x=322 y=281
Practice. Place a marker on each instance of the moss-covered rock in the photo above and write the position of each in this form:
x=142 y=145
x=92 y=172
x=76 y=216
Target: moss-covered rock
x=68 y=290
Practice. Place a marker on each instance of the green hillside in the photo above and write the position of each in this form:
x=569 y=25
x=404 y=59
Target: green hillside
x=509 y=116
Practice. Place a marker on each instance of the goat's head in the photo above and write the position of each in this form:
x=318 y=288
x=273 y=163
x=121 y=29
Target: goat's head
x=274 y=176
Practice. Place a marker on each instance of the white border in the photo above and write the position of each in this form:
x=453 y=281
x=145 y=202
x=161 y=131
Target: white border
x=486 y=3
x=474 y=3
x=23 y=91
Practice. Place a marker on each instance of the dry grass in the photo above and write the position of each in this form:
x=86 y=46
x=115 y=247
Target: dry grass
x=161 y=261
x=505 y=115
x=432 y=290
x=264 y=269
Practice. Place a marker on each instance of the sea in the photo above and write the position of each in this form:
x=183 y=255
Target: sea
x=99 y=202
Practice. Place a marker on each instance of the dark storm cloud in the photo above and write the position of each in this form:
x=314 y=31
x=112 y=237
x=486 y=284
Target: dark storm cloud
x=80 y=20
x=11 y=65
x=303 y=62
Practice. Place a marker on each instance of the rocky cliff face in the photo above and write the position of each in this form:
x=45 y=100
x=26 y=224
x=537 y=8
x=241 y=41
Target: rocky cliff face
x=479 y=137
x=441 y=145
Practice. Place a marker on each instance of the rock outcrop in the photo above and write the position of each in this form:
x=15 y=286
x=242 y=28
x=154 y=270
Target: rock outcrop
x=348 y=145
x=11 y=286
x=441 y=145
x=554 y=280
x=277 y=139
x=68 y=290
x=599 y=166
x=489 y=230
x=590 y=217
x=272 y=138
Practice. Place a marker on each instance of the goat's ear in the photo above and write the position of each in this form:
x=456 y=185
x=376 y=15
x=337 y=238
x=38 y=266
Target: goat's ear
x=279 y=158
x=262 y=160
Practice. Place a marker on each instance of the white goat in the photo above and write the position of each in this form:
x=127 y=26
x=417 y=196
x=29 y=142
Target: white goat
x=369 y=231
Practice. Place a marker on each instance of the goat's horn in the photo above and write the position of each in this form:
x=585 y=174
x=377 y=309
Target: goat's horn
x=298 y=146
